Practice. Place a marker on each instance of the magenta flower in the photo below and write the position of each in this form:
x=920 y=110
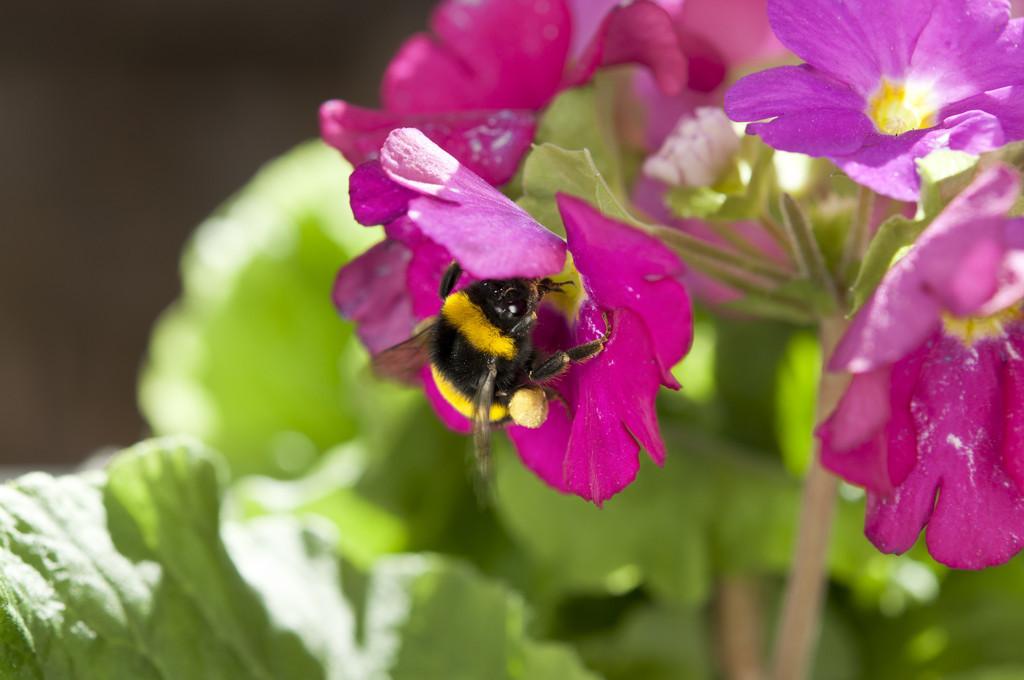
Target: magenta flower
x=475 y=84
x=932 y=421
x=886 y=83
x=589 y=444
x=436 y=210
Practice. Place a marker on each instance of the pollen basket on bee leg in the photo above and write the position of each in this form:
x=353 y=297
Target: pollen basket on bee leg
x=472 y=323
x=528 y=407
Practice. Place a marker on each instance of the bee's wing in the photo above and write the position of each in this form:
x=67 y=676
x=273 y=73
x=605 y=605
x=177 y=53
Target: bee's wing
x=403 y=362
x=482 y=420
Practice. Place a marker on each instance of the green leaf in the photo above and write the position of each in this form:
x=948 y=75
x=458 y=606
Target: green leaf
x=550 y=170
x=973 y=629
x=136 y=574
x=582 y=118
x=892 y=236
x=699 y=202
x=944 y=173
x=254 y=358
x=711 y=509
x=656 y=642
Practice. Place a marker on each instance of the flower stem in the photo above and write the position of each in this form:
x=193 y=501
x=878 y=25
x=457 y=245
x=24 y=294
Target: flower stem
x=688 y=245
x=739 y=621
x=799 y=621
x=859 y=235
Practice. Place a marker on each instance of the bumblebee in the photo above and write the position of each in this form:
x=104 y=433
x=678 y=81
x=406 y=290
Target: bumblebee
x=481 y=354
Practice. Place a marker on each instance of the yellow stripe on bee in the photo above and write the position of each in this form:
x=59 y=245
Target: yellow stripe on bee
x=470 y=320
x=461 y=402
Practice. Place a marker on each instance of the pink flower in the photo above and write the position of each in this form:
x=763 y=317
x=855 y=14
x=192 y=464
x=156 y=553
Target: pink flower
x=932 y=421
x=475 y=83
x=436 y=210
x=589 y=444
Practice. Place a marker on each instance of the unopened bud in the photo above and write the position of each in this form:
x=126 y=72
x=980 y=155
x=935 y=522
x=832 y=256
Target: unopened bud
x=697 y=152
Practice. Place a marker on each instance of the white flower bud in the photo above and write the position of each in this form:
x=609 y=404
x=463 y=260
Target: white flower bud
x=697 y=152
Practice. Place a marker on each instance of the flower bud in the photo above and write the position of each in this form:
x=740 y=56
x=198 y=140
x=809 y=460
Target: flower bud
x=697 y=152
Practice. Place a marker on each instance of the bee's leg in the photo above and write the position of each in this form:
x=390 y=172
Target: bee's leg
x=557 y=363
x=523 y=324
x=554 y=395
x=450 y=278
x=545 y=286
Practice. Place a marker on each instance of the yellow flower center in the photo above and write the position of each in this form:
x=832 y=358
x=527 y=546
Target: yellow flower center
x=975 y=329
x=896 y=108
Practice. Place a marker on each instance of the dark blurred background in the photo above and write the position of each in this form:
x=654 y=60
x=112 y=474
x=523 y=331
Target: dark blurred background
x=122 y=125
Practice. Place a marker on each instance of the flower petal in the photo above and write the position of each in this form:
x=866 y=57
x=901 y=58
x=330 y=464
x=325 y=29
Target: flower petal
x=858 y=41
x=1013 y=398
x=639 y=33
x=490 y=143
x=969 y=46
x=978 y=517
x=376 y=198
x=788 y=89
x=370 y=290
x=816 y=132
x=870 y=440
x=648 y=282
x=737 y=29
x=904 y=310
x=489 y=235
x=488 y=54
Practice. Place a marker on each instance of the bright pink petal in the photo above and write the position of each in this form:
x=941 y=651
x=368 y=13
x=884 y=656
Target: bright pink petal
x=638 y=33
x=861 y=413
x=490 y=143
x=1013 y=397
x=613 y=414
x=905 y=308
x=871 y=440
x=738 y=29
x=978 y=515
x=488 y=54
x=375 y=198
x=647 y=282
x=543 y=450
x=489 y=235
x=370 y=290
x=592 y=449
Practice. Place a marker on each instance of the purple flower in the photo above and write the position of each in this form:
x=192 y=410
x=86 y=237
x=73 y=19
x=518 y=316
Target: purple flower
x=475 y=83
x=932 y=423
x=436 y=210
x=886 y=83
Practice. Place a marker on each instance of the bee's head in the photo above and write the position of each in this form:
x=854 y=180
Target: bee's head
x=505 y=302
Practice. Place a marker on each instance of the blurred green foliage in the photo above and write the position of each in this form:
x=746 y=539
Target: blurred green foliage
x=339 y=535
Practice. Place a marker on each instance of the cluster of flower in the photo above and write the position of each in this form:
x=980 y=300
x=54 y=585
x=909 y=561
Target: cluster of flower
x=932 y=423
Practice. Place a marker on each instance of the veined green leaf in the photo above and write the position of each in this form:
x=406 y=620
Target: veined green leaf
x=134 y=574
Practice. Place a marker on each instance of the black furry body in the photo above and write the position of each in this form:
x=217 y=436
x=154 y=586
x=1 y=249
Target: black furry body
x=462 y=364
